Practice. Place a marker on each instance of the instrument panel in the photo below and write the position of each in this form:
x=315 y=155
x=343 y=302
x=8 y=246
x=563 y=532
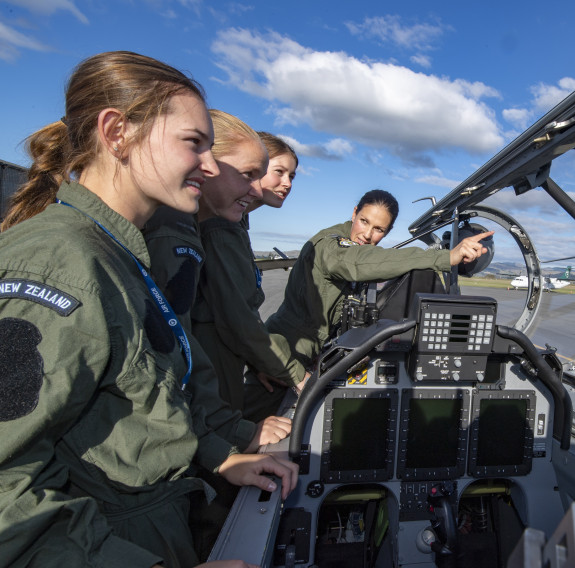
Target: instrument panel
x=403 y=448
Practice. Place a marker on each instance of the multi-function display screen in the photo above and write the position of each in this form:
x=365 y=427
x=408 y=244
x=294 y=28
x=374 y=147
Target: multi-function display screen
x=433 y=426
x=433 y=434
x=502 y=433
x=359 y=435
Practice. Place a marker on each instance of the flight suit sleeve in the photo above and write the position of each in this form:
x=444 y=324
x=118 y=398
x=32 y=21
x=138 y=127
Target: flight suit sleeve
x=340 y=260
x=52 y=362
x=176 y=257
x=220 y=430
x=230 y=288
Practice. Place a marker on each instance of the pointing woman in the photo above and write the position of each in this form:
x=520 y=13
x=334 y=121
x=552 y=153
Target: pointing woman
x=339 y=255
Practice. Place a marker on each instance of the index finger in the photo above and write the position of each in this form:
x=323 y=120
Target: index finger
x=481 y=236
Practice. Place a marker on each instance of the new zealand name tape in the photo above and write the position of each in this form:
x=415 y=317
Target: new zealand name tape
x=188 y=251
x=40 y=293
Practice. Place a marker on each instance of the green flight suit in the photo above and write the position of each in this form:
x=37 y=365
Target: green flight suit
x=225 y=317
x=321 y=278
x=96 y=433
x=177 y=257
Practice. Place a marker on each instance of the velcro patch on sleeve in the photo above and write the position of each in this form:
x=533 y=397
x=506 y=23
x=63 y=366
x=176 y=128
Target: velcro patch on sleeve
x=40 y=293
x=345 y=242
x=21 y=373
x=181 y=289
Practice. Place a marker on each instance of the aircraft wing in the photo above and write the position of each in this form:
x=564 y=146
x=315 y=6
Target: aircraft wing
x=275 y=263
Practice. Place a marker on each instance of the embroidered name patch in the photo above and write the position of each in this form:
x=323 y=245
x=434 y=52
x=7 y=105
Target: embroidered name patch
x=188 y=251
x=343 y=242
x=40 y=293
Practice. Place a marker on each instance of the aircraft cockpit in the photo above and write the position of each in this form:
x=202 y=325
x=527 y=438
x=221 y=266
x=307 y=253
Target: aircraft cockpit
x=425 y=442
x=430 y=434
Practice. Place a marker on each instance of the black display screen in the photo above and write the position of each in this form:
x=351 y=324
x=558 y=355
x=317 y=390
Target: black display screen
x=501 y=432
x=359 y=434
x=433 y=432
x=501 y=441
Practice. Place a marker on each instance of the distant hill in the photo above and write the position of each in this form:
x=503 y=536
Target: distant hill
x=510 y=269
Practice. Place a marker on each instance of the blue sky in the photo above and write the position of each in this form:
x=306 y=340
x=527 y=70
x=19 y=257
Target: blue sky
x=409 y=96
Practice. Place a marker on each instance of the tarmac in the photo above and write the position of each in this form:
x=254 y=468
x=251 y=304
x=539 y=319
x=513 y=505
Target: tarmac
x=554 y=324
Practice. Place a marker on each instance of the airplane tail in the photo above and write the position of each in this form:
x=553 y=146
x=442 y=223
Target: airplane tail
x=566 y=274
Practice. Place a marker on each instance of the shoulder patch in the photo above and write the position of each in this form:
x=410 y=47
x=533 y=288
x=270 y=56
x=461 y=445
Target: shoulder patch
x=182 y=287
x=185 y=250
x=345 y=242
x=40 y=293
x=21 y=365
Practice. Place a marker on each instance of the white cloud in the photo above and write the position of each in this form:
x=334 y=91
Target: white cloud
x=544 y=98
x=476 y=90
x=378 y=104
x=439 y=181
x=48 y=7
x=11 y=41
x=547 y=96
x=336 y=149
x=339 y=147
x=536 y=200
x=194 y=5
x=421 y=60
x=519 y=117
x=546 y=223
x=390 y=29
x=238 y=9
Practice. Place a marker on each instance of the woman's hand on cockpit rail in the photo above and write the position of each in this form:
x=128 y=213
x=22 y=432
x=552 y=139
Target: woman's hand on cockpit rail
x=251 y=469
x=468 y=249
x=269 y=431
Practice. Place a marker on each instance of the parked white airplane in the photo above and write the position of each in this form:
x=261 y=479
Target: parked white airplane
x=548 y=283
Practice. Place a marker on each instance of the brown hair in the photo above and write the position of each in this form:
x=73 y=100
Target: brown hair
x=229 y=131
x=138 y=86
x=276 y=146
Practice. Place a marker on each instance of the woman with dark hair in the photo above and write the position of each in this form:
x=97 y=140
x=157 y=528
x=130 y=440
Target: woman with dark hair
x=97 y=435
x=277 y=183
x=327 y=266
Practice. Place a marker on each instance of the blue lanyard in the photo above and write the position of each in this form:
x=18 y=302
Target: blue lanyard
x=165 y=308
x=258 y=273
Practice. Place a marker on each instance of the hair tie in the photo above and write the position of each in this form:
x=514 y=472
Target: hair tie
x=64 y=120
